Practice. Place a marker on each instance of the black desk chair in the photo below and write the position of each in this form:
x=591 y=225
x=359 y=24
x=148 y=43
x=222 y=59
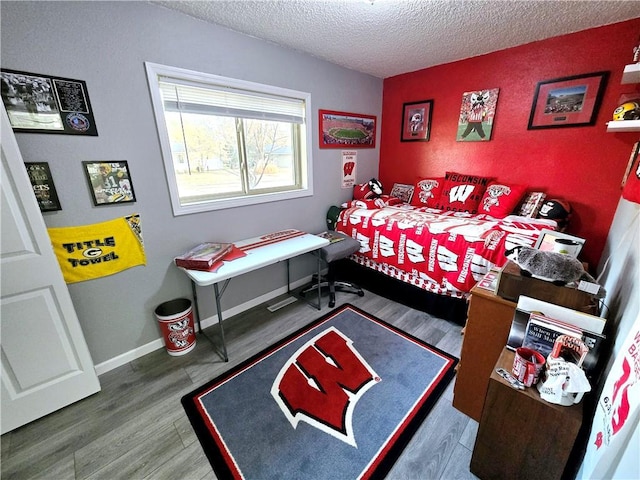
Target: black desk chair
x=336 y=250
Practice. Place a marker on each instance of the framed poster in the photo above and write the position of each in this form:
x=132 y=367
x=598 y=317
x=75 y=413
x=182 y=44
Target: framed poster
x=109 y=182
x=351 y=130
x=477 y=112
x=416 y=121
x=43 y=186
x=44 y=104
x=568 y=102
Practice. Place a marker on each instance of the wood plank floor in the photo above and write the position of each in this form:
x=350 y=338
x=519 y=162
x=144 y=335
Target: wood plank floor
x=135 y=428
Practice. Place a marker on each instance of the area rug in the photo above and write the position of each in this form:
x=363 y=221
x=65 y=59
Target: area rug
x=339 y=399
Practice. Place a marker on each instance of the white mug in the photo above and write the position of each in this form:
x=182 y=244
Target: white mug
x=566 y=247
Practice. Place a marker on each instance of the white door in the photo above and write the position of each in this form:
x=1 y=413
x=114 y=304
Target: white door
x=46 y=364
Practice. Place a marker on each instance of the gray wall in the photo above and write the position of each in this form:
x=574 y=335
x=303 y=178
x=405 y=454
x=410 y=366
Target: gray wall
x=106 y=45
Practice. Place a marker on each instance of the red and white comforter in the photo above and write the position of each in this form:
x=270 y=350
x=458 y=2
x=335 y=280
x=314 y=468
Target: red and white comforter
x=442 y=252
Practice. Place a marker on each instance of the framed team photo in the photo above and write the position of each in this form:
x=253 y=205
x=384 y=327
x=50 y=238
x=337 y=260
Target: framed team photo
x=43 y=187
x=109 y=182
x=37 y=103
x=568 y=102
x=416 y=121
x=477 y=113
x=350 y=130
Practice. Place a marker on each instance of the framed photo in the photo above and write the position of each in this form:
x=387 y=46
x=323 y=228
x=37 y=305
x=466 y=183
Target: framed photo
x=402 y=191
x=531 y=203
x=416 y=121
x=44 y=104
x=43 y=186
x=552 y=241
x=109 y=182
x=477 y=113
x=351 y=130
x=568 y=102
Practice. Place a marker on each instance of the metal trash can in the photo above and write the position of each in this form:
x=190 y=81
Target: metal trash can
x=176 y=324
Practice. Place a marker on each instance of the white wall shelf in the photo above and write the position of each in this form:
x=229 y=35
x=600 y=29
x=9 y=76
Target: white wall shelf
x=631 y=74
x=623 y=126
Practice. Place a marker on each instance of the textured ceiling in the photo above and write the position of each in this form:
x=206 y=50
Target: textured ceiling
x=388 y=37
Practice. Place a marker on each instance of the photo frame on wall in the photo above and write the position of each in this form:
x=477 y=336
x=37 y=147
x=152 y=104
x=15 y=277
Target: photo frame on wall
x=416 y=121
x=43 y=187
x=39 y=103
x=350 y=130
x=109 y=182
x=477 y=113
x=568 y=102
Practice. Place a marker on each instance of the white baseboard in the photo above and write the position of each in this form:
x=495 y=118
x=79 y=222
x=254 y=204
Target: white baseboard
x=157 y=344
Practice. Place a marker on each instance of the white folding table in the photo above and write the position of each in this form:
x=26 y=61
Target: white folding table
x=260 y=252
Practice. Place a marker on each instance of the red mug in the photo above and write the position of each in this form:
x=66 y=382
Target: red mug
x=527 y=365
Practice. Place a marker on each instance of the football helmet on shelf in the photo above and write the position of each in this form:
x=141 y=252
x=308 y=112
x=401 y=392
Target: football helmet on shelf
x=627 y=111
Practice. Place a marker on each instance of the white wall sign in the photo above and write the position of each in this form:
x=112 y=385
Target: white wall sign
x=349 y=163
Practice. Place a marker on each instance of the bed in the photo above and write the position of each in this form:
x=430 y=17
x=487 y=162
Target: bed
x=429 y=256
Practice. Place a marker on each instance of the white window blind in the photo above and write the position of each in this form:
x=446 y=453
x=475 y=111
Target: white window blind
x=178 y=95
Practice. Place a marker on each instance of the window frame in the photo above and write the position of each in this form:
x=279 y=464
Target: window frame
x=154 y=71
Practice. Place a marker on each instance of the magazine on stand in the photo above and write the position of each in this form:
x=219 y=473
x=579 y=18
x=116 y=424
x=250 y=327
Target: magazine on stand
x=542 y=332
x=539 y=331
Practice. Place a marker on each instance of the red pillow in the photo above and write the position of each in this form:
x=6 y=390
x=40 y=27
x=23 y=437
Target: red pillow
x=462 y=193
x=499 y=200
x=362 y=191
x=427 y=192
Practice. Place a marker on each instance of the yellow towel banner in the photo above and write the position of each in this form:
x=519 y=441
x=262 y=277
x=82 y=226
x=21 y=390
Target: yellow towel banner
x=93 y=251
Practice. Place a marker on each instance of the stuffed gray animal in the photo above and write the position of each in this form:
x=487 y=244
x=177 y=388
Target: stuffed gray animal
x=553 y=267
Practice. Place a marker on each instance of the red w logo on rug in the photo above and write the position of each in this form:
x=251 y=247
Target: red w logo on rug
x=322 y=383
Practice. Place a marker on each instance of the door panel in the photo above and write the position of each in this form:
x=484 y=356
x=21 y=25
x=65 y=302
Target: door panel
x=46 y=363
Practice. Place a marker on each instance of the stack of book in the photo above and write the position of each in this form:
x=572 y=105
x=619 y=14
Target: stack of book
x=537 y=324
x=204 y=256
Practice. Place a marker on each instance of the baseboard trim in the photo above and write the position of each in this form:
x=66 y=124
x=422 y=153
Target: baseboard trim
x=157 y=344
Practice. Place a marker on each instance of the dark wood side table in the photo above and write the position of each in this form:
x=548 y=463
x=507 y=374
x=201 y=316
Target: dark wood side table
x=520 y=435
x=485 y=335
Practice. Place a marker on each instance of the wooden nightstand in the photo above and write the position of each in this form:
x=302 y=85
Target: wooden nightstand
x=520 y=435
x=485 y=335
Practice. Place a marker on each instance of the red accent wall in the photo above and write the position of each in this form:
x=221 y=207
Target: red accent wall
x=583 y=165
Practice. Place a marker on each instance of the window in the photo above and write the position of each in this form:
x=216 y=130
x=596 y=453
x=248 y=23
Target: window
x=228 y=142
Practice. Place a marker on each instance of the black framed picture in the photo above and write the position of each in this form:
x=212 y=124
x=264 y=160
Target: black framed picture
x=109 y=182
x=416 y=121
x=43 y=187
x=39 y=103
x=568 y=101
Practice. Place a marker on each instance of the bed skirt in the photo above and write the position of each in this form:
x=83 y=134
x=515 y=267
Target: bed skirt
x=441 y=306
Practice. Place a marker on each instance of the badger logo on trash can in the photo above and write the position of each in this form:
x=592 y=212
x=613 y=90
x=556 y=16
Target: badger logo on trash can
x=179 y=333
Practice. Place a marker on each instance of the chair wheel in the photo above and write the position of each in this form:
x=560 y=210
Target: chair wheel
x=361 y=294
x=332 y=304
